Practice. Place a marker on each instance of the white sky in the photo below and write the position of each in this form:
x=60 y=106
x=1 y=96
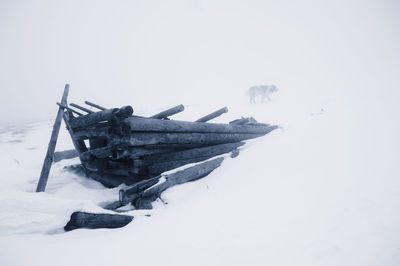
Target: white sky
x=128 y=52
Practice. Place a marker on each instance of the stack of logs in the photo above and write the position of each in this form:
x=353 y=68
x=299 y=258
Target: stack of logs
x=116 y=147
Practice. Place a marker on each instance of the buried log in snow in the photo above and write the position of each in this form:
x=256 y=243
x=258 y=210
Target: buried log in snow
x=97 y=220
x=146 y=191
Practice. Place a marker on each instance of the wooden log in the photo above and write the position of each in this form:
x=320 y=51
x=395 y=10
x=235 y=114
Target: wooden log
x=140 y=139
x=95 y=105
x=97 y=220
x=63 y=155
x=213 y=115
x=101 y=116
x=69 y=109
x=138 y=124
x=209 y=151
x=169 y=112
x=148 y=190
x=189 y=174
x=82 y=108
x=44 y=175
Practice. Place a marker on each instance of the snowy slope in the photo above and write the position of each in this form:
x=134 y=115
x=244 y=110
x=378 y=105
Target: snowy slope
x=297 y=196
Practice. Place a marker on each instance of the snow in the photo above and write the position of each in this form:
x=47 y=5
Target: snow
x=324 y=189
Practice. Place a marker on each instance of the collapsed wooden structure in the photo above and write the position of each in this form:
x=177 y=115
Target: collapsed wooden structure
x=117 y=147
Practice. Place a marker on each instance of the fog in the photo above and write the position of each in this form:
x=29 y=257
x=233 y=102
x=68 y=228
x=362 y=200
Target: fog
x=131 y=52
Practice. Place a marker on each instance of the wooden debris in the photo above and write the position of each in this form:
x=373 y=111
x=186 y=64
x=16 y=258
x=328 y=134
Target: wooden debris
x=146 y=191
x=96 y=220
x=44 y=175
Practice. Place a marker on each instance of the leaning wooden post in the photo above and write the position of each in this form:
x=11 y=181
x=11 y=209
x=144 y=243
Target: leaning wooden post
x=44 y=175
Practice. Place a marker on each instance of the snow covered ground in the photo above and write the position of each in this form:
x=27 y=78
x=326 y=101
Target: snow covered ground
x=324 y=189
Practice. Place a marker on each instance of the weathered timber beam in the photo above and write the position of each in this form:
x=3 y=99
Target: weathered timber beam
x=213 y=115
x=189 y=174
x=138 y=124
x=208 y=151
x=96 y=220
x=140 y=139
x=101 y=116
x=169 y=112
x=95 y=105
x=63 y=155
x=44 y=174
x=148 y=190
x=69 y=109
x=82 y=108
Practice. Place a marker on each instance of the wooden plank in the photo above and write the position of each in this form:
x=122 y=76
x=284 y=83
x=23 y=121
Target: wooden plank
x=63 y=155
x=213 y=115
x=44 y=175
x=95 y=105
x=97 y=220
x=138 y=124
x=101 y=116
x=169 y=112
x=82 y=108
